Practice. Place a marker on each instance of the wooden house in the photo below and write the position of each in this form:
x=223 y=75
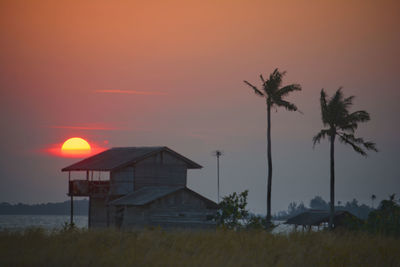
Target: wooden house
x=146 y=187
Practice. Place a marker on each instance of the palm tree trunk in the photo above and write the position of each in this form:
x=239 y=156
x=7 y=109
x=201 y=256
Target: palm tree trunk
x=269 y=156
x=332 y=202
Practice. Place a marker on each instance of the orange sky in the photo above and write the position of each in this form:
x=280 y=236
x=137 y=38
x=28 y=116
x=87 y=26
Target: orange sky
x=60 y=59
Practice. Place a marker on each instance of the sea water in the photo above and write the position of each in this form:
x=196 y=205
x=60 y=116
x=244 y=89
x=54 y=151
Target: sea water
x=54 y=222
x=49 y=222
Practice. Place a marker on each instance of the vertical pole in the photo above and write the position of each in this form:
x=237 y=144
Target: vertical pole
x=218 y=173
x=72 y=210
x=90 y=212
x=332 y=202
x=72 y=199
x=269 y=162
x=108 y=214
x=217 y=153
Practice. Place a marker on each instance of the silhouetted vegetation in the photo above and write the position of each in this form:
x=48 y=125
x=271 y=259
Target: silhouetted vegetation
x=385 y=219
x=340 y=124
x=233 y=214
x=293 y=210
x=233 y=210
x=274 y=96
x=360 y=210
x=60 y=208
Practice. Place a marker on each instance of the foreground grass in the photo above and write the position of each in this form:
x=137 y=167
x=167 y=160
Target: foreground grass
x=35 y=247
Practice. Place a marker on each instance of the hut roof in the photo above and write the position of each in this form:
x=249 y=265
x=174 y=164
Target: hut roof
x=316 y=217
x=119 y=157
x=148 y=194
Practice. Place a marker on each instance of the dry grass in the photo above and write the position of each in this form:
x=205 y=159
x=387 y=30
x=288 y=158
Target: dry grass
x=35 y=247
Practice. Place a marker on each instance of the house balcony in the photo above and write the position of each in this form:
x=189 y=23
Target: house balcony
x=83 y=188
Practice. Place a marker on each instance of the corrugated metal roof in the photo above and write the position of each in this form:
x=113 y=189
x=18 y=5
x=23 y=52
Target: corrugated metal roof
x=313 y=217
x=121 y=156
x=145 y=195
x=149 y=194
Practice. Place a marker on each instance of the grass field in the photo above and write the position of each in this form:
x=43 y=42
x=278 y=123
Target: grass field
x=35 y=247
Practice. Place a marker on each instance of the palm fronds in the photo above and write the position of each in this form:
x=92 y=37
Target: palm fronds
x=256 y=91
x=336 y=115
x=287 y=105
x=284 y=91
x=272 y=91
x=321 y=135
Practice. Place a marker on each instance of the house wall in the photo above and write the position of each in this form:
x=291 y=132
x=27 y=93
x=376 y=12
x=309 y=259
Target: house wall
x=160 y=169
x=98 y=212
x=121 y=181
x=179 y=210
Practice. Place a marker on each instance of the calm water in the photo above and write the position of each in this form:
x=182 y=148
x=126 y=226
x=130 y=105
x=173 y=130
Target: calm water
x=57 y=221
x=44 y=221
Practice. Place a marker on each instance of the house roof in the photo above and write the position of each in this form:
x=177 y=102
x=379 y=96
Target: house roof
x=316 y=217
x=119 y=157
x=148 y=194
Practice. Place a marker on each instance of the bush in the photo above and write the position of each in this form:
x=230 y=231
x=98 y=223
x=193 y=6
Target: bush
x=233 y=213
x=257 y=222
x=386 y=219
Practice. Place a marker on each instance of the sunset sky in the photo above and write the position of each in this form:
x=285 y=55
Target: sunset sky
x=170 y=73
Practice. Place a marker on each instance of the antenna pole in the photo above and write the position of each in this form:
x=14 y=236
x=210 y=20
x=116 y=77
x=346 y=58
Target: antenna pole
x=218 y=175
x=218 y=154
x=71 y=190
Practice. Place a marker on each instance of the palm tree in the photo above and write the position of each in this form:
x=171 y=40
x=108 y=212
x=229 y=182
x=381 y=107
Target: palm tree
x=342 y=124
x=273 y=94
x=373 y=197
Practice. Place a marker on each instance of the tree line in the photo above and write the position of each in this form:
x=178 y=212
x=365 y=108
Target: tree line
x=385 y=219
x=59 y=208
x=318 y=203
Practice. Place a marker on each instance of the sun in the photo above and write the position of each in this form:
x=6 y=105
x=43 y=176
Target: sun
x=76 y=145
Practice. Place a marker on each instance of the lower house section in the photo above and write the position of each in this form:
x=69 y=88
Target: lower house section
x=180 y=209
x=167 y=207
x=97 y=212
x=171 y=219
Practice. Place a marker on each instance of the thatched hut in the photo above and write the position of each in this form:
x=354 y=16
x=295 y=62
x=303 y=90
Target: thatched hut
x=319 y=218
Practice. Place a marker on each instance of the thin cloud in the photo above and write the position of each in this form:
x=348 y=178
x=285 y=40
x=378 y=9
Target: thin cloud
x=104 y=128
x=130 y=92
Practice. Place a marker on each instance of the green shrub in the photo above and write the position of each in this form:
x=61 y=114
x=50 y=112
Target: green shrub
x=232 y=213
x=385 y=219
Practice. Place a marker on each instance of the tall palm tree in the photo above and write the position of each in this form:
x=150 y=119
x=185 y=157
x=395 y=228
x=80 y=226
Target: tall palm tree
x=273 y=94
x=341 y=123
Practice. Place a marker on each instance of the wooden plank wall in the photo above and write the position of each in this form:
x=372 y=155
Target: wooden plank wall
x=179 y=210
x=161 y=169
x=98 y=212
x=122 y=181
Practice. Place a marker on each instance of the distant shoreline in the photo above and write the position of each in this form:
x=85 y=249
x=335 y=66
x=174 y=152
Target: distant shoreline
x=58 y=208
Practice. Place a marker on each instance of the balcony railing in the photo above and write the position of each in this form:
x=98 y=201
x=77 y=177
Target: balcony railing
x=88 y=188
